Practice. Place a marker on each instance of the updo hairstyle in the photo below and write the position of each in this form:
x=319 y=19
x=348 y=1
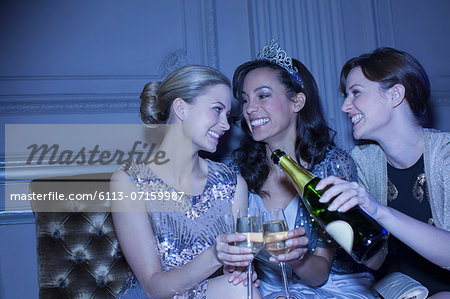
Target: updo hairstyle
x=186 y=82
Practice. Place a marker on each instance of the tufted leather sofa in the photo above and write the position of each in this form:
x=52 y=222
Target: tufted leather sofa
x=78 y=251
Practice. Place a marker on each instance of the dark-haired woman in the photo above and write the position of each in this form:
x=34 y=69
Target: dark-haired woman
x=281 y=110
x=404 y=174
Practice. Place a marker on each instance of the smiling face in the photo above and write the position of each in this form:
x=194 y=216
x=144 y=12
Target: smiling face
x=207 y=115
x=269 y=114
x=367 y=106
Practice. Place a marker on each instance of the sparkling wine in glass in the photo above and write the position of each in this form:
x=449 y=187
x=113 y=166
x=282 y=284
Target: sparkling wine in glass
x=248 y=223
x=275 y=231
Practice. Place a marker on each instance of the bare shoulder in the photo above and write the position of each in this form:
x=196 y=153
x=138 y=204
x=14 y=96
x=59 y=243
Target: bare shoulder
x=241 y=196
x=241 y=183
x=121 y=180
x=125 y=191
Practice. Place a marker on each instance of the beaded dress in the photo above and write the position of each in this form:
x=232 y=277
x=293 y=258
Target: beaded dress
x=347 y=279
x=190 y=226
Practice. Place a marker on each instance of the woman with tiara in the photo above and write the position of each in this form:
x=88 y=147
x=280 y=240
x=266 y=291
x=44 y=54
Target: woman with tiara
x=281 y=110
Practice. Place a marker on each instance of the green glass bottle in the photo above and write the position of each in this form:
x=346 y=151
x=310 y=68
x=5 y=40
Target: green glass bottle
x=355 y=231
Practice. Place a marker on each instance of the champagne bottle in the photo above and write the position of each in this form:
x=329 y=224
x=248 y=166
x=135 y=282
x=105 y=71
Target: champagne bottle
x=355 y=231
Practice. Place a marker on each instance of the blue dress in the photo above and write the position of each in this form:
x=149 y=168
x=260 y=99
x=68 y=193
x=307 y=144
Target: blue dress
x=347 y=278
x=185 y=228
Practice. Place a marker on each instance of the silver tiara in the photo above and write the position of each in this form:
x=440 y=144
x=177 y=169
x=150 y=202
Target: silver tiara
x=272 y=52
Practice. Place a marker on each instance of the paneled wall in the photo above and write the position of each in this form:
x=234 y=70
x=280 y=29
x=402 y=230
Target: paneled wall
x=410 y=26
x=93 y=58
x=87 y=61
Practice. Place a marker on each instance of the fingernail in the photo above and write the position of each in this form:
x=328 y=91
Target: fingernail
x=288 y=243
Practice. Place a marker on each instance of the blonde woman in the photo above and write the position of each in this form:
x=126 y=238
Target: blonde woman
x=174 y=249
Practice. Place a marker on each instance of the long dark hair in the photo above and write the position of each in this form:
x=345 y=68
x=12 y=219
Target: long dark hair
x=313 y=135
x=388 y=67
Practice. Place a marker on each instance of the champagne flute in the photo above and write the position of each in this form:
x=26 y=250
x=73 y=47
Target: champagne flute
x=275 y=232
x=248 y=223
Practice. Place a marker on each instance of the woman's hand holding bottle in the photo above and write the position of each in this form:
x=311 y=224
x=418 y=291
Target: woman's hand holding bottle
x=346 y=195
x=357 y=233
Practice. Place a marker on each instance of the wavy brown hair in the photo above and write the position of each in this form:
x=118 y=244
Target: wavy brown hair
x=313 y=136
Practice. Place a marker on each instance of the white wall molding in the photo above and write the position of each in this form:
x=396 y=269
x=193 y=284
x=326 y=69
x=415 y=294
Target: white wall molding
x=210 y=19
x=67 y=106
x=111 y=93
x=171 y=62
x=10 y=218
x=384 y=26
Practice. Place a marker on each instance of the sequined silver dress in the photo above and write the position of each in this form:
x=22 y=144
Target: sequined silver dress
x=189 y=226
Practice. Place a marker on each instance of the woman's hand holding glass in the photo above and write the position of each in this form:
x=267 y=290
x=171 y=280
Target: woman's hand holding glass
x=275 y=230
x=249 y=223
x=231 y=255
x=237 y=250
x=297 y=242
x=226 y=252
